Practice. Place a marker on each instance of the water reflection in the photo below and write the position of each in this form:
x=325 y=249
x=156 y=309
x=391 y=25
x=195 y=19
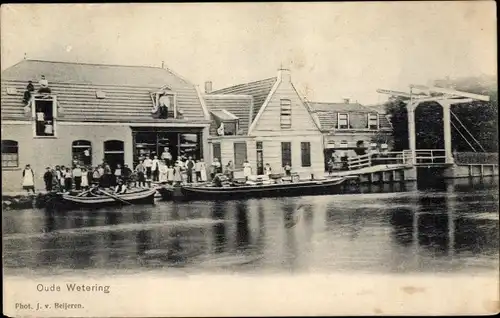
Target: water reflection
x=447 y=227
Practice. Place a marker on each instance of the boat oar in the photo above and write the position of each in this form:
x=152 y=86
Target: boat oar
x=115 y=197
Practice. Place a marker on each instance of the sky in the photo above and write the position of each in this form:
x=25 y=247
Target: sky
x=334 y=50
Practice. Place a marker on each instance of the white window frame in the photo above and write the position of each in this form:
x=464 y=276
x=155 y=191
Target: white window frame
x=338 y=120
x=375 y=115
x=17 y=154
x=157 y=100
x=54 y=115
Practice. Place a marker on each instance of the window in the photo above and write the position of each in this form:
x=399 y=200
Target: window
x=286 y=114
x=260 y=157
x=286 y=153
x=240 y=154
x=81 y=152
x=343 y=121
x=114 y=153
x=373 y=121
x=305 y=152
x=164 y=105
x=45 y=113
x=216 y=153
x=10 y=153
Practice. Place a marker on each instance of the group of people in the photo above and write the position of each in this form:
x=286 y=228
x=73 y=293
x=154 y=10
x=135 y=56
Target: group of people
x=165 y=170
x=30 y=89
x=62 y=178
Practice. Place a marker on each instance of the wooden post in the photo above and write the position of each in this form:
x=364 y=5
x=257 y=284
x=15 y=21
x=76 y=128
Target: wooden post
x=411 y=130
x=447 y=131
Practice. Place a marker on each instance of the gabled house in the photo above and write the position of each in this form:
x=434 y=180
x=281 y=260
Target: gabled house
x=347 y=125
x=95 y=113
x=265 y=122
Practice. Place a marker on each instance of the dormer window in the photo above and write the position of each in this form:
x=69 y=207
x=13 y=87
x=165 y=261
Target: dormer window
x=164 y=104
x=343 y=121
x=100 y=94
x=227 y=124
x=44 y=111
x=373 y=121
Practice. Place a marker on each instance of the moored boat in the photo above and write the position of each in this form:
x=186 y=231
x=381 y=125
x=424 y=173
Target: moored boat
x=101 y=198
x=230 y=190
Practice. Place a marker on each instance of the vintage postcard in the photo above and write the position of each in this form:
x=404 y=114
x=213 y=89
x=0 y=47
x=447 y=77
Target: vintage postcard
x=249 y=159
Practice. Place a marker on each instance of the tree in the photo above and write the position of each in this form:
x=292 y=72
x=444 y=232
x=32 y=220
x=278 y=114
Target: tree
x=479 y=118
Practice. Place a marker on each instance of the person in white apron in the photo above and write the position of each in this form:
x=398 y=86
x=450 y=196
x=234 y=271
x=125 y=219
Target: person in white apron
x=28 y=179
x=162 y=178
x=203 y=170
x=85 y=179
x=170 y=175
x=247 y=169
x=267 y=169
x=177 y=174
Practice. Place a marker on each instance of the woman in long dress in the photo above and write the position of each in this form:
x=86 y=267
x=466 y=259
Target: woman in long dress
x=162 y=178
x=170 y=175
x=247 y=169
x=28 y=179
x=203 y=170
x=85 y=179
x=177 y=174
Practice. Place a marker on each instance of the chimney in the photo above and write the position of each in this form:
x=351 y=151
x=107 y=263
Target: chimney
x=346 y=100
x=208 y=87
x=284 y=75
x=162 y=64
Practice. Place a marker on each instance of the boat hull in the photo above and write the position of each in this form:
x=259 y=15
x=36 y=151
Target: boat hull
x=320 y=187
x=70 y=201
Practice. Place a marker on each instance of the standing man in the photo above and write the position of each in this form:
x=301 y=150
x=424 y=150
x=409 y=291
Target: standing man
x=47 y=178
x=189 y=169
x=155 y=168
x=166 y=156
x=77 y=176
x=148 y=163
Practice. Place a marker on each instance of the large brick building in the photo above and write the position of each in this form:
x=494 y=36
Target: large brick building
x=96 y=113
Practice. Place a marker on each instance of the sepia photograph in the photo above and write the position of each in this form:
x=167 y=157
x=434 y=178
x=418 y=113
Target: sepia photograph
x=250 y=159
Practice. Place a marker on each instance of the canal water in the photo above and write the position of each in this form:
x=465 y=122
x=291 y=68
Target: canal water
x=439 y=228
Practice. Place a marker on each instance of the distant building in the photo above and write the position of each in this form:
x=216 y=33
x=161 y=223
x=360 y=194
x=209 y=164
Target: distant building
x=347 y=125
x=265 y=122
x=93 y=113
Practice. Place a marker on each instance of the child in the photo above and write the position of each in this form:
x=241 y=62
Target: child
x=170 y=175
x=288 y=170
x=85 y=179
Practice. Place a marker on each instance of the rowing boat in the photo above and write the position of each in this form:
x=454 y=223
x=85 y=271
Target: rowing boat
x=102 y=198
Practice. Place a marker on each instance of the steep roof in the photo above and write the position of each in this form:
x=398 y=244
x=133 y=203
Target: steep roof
x=239 y=105
x=259 y=90
x=127 y=90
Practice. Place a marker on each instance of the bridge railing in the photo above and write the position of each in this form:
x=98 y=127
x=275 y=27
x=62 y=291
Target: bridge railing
x=393 y=157
x=476 y=158
x=430 y=156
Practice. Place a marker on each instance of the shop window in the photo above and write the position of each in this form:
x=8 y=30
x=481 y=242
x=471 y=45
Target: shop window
x=373 y=121
x=286 y=114
x=286 y=153
x=240 y=154
x=45 y=113
x=189 y=146
x=305 y=152
x=343 y=121
x=81 y=152
x=114 y=153
x=10 y=154
x=216 y=151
